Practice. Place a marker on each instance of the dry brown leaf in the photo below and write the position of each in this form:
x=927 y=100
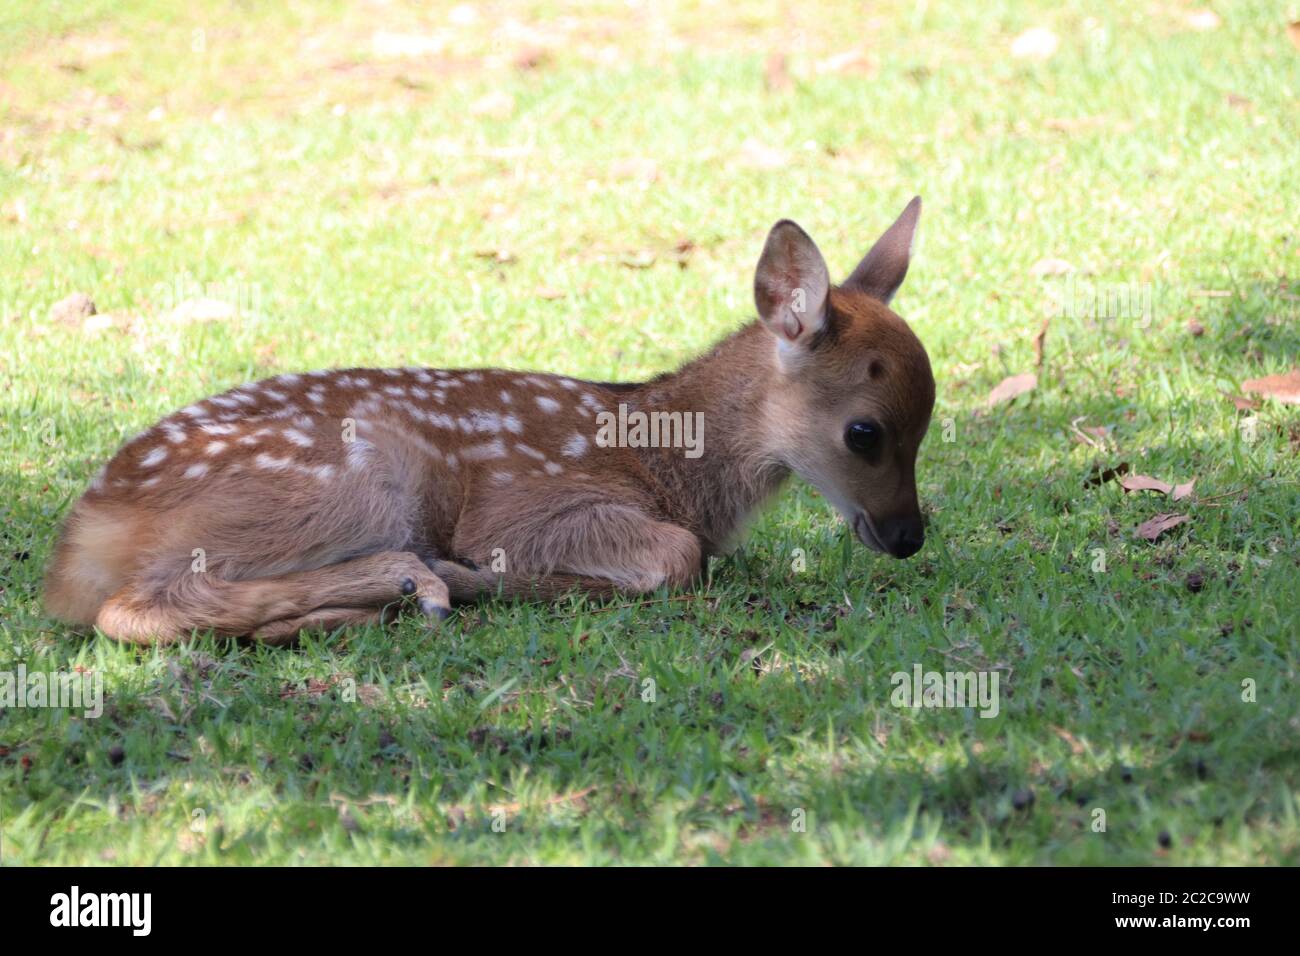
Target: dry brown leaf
x=1011 y=386
x=640 y=168
x=1050 y=267
x=1243 y=403
x=1293 y=31
x=776 y=73
x=1283 y=388
x=1155 y=527
x=1039 y=341
x=758 y=155
x=1145 y=483
x=1184 y=490
x=1069 y=738
x=1195 y=328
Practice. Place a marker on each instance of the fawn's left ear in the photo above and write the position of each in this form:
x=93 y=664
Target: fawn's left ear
x=791 y=285
x=881 y=271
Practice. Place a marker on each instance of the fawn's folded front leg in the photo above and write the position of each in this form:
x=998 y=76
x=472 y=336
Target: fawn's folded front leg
x=600 y=547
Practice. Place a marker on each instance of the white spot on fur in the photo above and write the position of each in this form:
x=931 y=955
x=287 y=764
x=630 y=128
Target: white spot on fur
x=175 y=434
x=570 y=384
x=153 y=458
x=548 y=405
x=473 y=377
x=529 y=451
x=493 y=449
x=216 y=447
x=271 y=463
x=213 y=429
x=289 y=378
x=575 y=447
x=512 y=424
x=274 y=395
x=503 y=477
x=197 y=470
x=552 y=468
x=298 y=438
x=505 y=397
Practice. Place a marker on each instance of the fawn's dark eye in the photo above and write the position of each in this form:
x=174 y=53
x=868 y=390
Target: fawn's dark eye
x=862 y=437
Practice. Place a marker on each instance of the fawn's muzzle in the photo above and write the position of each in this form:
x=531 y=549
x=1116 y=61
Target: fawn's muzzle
x=899 y=537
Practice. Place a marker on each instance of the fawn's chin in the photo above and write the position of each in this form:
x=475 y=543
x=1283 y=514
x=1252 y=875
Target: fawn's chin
x=866 y=532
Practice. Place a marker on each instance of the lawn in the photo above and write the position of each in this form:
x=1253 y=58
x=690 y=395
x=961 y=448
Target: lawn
x=585 y=189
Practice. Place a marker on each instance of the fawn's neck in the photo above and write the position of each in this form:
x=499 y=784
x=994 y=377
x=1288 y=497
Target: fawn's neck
x=713 y=494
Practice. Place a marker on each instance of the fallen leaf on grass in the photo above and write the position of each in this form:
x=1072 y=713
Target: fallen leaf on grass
x=776 y=74
x=1039 y=340
x=1050 y=267
x=1293 y=31
x=1155 y=527
x=1012 y=386
x=758 y=155
x=1243 y=403
x=1069 y=738
x=1283 y=388
x=1145 y=483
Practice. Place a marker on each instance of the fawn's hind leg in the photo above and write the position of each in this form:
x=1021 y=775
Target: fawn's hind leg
x=322 y=619
x=144 y=614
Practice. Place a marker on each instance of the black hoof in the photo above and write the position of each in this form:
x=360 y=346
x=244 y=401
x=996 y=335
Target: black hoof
x=408 y=586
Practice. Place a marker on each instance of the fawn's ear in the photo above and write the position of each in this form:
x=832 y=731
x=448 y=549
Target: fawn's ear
x=791 y=285
x=881 y=271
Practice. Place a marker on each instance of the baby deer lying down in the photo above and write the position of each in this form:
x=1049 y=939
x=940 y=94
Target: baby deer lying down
x=322 y=499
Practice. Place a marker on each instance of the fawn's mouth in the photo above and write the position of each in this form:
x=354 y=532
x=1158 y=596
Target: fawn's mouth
x=865 y=529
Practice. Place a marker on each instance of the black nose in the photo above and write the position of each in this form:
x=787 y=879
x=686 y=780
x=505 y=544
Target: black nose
x=903 y=537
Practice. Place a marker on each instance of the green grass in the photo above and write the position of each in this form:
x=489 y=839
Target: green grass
x=351 y=201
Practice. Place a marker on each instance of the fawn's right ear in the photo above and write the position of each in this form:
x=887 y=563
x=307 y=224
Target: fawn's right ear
x=791 y=285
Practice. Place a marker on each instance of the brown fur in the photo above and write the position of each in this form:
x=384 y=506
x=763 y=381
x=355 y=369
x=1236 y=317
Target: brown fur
x=319 y=500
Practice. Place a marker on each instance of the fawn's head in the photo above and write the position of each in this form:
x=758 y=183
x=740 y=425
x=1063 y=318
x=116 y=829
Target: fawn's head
x=854 y=389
